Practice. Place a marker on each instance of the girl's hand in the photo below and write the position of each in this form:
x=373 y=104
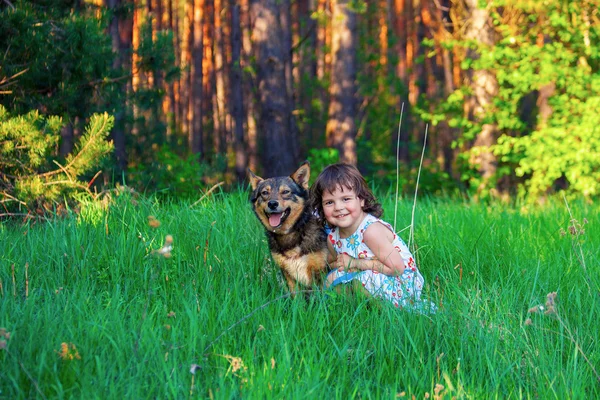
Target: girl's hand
x=343 y=262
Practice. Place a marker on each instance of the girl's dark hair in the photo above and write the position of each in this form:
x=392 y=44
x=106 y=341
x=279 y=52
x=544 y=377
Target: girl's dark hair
x=340 y=176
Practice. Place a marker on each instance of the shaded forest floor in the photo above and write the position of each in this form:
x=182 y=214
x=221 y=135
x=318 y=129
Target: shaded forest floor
x=91 y=307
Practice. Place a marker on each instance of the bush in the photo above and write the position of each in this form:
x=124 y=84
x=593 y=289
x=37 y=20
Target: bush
x=31 y=175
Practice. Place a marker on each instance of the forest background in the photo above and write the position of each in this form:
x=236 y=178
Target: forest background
x=174 y=96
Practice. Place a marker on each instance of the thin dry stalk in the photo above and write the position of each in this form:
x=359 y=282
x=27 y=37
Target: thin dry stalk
x=1 y=288
x=196 y=295
x=14 y=281
x=412 y=218
x=579 y=349
x=398 y=165
x=437 y=361
x=206 y=244
x=26 y=281
x=579 y=250
x=207 y=193
x=192 y=386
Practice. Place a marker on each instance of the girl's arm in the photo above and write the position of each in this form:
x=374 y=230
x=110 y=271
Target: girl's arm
x=349 y=263
x=380 y=239
x=332 y=256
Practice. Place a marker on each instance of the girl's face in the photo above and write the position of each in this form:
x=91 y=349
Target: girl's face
x=344 y=209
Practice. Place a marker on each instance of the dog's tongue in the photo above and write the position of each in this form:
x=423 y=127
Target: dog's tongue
x=275 y=219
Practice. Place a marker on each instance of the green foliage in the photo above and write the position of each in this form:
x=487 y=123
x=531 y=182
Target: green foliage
x=320 y=158
x=30 y=173
x=53 y=59
x=560 y=152
x=172 y=175
x=554 y=44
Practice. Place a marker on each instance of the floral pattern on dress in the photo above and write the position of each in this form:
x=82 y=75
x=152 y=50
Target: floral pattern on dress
x=352 y=242
x=402 y=291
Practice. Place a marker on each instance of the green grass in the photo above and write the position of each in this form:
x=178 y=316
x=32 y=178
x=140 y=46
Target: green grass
x=139 y=321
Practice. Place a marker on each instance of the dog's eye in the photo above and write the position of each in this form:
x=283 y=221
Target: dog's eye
x=285 y=192
x=265 y=192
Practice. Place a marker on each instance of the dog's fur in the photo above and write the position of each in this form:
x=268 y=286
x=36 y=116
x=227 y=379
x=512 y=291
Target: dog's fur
x=297 y=242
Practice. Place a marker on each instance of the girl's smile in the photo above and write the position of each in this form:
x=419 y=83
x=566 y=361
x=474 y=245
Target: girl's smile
x=344 y=209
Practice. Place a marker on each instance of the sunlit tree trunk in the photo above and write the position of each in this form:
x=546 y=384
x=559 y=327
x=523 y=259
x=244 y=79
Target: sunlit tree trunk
x=169 y=98
x=186 y=61
x=250 y=98
x=237 y=105
x=219 y=105
x=341 y=126
x=208 y=82
x=383 y=17
x=399 y=24
x=485 y=86
x=275 y=112
x=439 y=83
x=136 y=77
x=177 y=44
x=195 y=102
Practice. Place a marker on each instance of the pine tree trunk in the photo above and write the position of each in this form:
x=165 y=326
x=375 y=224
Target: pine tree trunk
x=399 y=24
x=341 y=126
x=136 y=77
x=186 y=62
x=286 y=30
x=249 y=88
x=323 y=39
x=67 y=139
x=275 y=112
x=219 y=109
x=195 y=102
x=208 y=82
x=168 y=101
x=120 y=29
x=307 y=69
x=237 y=105
x=439 y=84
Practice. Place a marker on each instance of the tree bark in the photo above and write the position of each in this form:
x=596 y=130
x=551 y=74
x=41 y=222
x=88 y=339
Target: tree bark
x=485 y=86
x=219 y=104
x=251 y=135
x=121 y=32
x=185 y=79
x=341 y=126
x=208 y=81
x=399 y=24
x=237 y=105
x=286 y=31
x=195 y=102
x=275 y=112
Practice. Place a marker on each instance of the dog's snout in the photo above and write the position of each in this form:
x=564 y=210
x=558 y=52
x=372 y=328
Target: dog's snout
x=273 y=204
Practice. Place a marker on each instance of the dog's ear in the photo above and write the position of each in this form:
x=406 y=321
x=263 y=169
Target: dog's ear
x=254 y=179
x=302 y=175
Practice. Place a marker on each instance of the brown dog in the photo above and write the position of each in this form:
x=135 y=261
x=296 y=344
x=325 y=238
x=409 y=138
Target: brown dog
x=296 y=240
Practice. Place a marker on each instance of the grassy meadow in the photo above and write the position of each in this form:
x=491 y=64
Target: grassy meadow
x=91 y=308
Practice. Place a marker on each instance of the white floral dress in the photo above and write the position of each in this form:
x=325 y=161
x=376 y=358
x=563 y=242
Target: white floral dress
x=403 y=291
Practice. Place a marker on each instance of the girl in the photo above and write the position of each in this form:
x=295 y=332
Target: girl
x=362 y=247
